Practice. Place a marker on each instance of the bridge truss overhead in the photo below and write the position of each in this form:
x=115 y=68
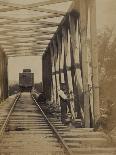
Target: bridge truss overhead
x=26 y=27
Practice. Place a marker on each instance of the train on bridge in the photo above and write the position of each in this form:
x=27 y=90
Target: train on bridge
x=26 y=80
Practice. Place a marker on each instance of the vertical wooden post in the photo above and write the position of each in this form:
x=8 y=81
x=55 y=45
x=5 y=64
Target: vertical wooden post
x=62 y=60
x=75 y=42
x=59 y=53
x=83 y=22
x=94 y=60
x=0 y=75
x=5 y=77
x=55 y=68
x=65 y=43
x=2 y=78
x=53 y=73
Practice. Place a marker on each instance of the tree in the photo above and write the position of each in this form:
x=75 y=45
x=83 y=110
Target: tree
x=106 y=45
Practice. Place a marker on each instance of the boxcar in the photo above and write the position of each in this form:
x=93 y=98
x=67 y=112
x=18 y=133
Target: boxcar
x=26 y=80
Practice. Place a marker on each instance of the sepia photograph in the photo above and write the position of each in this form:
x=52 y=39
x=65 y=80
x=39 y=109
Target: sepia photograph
x=57 y=77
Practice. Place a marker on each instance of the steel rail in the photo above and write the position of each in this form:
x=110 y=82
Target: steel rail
x=9 y=114
x=60 y=139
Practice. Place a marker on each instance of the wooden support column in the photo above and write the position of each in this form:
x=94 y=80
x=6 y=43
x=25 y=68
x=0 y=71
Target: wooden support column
x=62 y=60
x=83 y=22
x=94 y=53
x=59 y=41
x=47 y=74
x=56 y=66
x=65 y=44
x=5 y=77
x=76 y=51
x=53 y=74
x=0 y=75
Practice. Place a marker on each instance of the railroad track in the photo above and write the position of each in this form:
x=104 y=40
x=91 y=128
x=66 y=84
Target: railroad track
x=27 y=130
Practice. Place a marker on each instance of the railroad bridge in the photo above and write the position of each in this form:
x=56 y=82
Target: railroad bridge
x=66 y=39
x=66 y=57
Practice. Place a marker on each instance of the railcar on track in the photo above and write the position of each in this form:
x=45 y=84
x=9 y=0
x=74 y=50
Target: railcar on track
x=26 y=80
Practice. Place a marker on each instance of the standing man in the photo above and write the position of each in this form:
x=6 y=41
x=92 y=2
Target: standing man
x=64 y=102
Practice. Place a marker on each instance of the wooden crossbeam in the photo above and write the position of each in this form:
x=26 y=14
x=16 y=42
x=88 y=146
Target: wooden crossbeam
x=38 y=9
x=20 y=55
x=18 y=49
x=43 y=23
x=37 y=27
x=10 y=53
x=22 y=35
x=27 y=54
x=24 y=54
x=47 y=3
x=39 y=38
x=11 y=6
x=12 y=43
x=30 y=19
x=24 y=46
x=39 y=31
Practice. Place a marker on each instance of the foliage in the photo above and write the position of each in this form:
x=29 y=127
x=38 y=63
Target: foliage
x=106 y=46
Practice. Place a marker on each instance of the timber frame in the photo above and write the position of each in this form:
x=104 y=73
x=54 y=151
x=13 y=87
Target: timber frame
x=68 y=60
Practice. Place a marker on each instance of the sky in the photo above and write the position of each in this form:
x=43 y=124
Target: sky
x=106 y=16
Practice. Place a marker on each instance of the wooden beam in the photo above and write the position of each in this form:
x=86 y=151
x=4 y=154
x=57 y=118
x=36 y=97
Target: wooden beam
x=28 y=35
x=83 y=22
x=94 y=52
x=39 y=38
x=18 y=32
x=9 y=4
x=27 y=29
x=30 y=19
x=35 y=9
x=20 y=55
x=43 y=23
x=48 y=3
x=12 y=42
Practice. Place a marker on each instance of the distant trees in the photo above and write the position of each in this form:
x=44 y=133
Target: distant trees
x=106 y=45
x=14 y=88
x=38 y=87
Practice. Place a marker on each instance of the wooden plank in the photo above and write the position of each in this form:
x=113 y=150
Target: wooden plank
x=20 y=55
x=37 y=23
x=94 y=53
x=20 y=33
x=59 y=41
x=53 y=75
x=30 y=19
x=35 y=9
x=38 y=9
x=40 y=38
x=28 y=29
x=83 y=22
x=76 y=64
x=28 y=36
x=47 y=3
x=9 y=4
x=55 y=69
